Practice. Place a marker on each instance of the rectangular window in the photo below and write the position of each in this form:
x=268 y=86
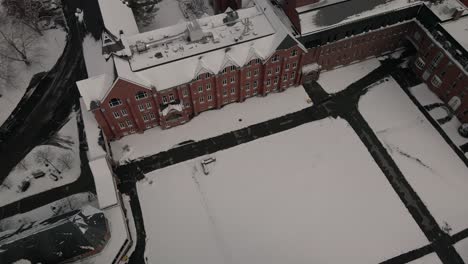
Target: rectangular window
x=210 y=98
x=437 y=59
x=164 y=99
x=224 y=70
x=287 y=66
x=171 y=97
x=224 y=81
x=233 y=79
x=141 y=107
x=141 y=95
x=293 y=75
x=207 y=75
x=275 y=58
x=277 y=69
x=124 y=112
x=285 y=77
x=224 y=92
x=269 y=71
x=201 y=99
x=152 y=116
x=145 y=118
x=276 y=80
x=268 y=82
x=129 y=123
x=148 y=105
x=249 y=74
x=293 y=53
x=208 y=86
x=257 y=61
x=116 y=114
x=247 y=86
x=200 y=89
x=436 y=81
x=233 y=68
x=255 y=84
x=419 y=63
x=187 y=105
x=255 y=72
x=233 y=90
x=185 y=92
x=121 y=125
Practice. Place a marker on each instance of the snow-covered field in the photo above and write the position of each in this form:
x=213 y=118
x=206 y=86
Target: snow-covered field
x=66 y=159
x=58 y=207
x=462 y=249
x=212 y=123
x=305 y=195
x=43 y=53
x=432 y=168
x=425 y=96
x=338 y=79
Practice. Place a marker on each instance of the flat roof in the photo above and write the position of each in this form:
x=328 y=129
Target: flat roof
x=345 y=12
x=444 y=11
x=103 y=179
x=171 y=43
x=458 y=29
x=319 y=4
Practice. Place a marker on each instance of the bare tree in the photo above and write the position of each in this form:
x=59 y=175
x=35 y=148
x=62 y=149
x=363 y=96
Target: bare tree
x=26 y=11
x=46 y=156
x=66 y=160
x=15 y=40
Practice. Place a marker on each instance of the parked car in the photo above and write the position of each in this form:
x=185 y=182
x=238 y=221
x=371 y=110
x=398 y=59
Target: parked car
x=24 y=186
x=463 y=130
x=38 y=174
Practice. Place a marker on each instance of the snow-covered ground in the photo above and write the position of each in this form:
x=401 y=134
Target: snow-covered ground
x=66 y=159
x=64 y=205
x=428 y=259
x=168 y=14
x=432 y=168
x=305 y=195
x=462 y=249
x=338 y=79
x=95 y=63
x=211 y=123
x=43 y=53
x=130 y=224
x=425 y=97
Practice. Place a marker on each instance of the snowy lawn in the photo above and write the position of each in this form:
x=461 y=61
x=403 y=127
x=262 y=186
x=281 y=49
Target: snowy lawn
x=58 y=207
x=428 y=259
x=305 y=195
x=432 y=168
x=65 y=158
x=44 y=54
x=338 y=79
x=425 y=97
x=212 y=123
x=462 y=249
x=168 y=14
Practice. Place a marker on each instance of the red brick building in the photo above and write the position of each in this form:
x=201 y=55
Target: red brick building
x=167 y=76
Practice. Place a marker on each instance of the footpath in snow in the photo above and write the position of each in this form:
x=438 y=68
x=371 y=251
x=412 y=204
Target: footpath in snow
x=426 y=97
x=211 y=123
x=44 y=54
x=301 y=196
x=432 y=168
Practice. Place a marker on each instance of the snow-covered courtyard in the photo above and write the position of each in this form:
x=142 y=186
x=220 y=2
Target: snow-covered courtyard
x=43 y=54
x=211 y=123
x=338 y=79
x=305 y=195
x=59 y=160
x=432 y=168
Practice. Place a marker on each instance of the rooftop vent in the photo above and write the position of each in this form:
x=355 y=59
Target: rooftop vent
x=195 y=31
x=230 y=18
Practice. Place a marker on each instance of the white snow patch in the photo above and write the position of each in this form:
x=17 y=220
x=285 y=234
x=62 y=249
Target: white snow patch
x=300 y=196
x=92 y=131
x=104 y=182
x=211 y=123
x=44 y=54
x=428 y=259
x=432 y=168
x=338 y=79
x=462 y=249
x=9 y=191
x=95 y=62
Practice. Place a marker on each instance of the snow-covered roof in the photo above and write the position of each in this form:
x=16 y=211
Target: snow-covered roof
x=345 y=12
x=118 y=16
x=172 y=107
x=92 y=130
x=94 y=88
x=171 y=43
x=318 y=4
x=103 y=179
x=446 y=9
x=458 y=29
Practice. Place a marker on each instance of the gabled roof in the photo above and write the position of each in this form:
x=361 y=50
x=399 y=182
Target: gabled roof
x=117 y=16
x=95 y=88
x=288 y=42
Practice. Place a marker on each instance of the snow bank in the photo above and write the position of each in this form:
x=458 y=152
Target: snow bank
x=211 y=123
x=432 y=168
x=338 y=79
x=301 y=196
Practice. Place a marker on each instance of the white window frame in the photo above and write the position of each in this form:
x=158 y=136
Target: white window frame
x=129 y=123
x=145 y=118
x=249 y=73
x=255 y=84
x=201 y=99
x=419 y=63
x=152 y=116
x=208 y=86
x=171 y=98
x=294 y=65
x=141 y=107
x=268 y=82
x=269 y=71
x=293 y=53
x=256 y=72
x=124 y=112
x=145 y=95
x=247 y=86
x=184 y=92
x=210 y=98
x=224 y=82
x=200 y=89
x=148 y=105
x=121 y=125
x=233 y=90
x=285 y=77
x=233 y=79
x=277 y=69
x=164 y=99
x=436 y=81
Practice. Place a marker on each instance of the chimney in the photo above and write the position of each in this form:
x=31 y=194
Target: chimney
x=457 y=13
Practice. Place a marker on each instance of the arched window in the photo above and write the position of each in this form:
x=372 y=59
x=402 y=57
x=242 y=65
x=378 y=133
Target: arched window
x=115 y=102
x=141 y=95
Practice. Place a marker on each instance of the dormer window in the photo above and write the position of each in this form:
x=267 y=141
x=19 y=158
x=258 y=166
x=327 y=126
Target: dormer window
x=258 y=61
x=141 y=95
x=224 y=70
x=233 y=68
x=207 y=75
x=198 y=78
x=115 y=102
x=293 y=53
